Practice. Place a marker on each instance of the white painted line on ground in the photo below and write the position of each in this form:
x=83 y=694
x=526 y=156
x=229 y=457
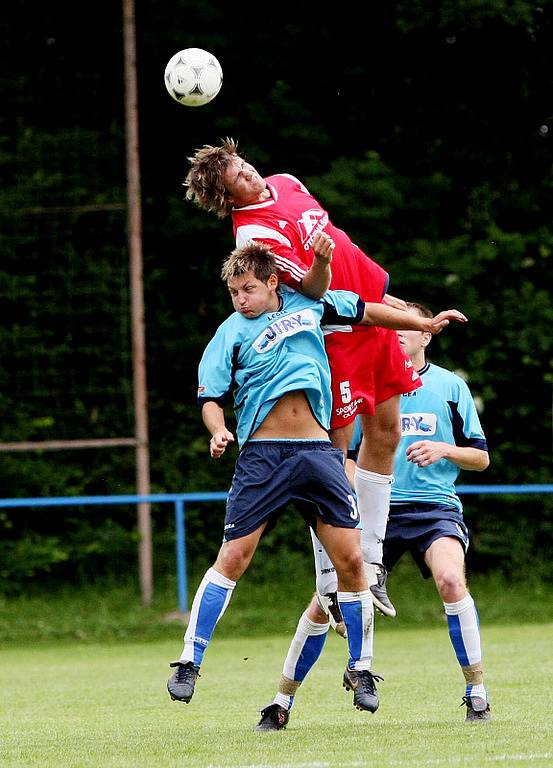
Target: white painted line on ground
x=469 y=760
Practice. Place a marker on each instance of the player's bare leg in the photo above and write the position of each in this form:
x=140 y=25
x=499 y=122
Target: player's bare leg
x=446 y=559
x=304 y=650
x=210 y=602
x=313 y=626
x=354 y=599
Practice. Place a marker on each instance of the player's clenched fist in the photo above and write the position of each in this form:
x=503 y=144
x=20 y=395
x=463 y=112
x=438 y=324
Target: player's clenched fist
x=219 y=442
x=323 y=245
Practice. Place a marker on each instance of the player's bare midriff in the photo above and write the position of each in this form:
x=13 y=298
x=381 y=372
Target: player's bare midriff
x=291 y=418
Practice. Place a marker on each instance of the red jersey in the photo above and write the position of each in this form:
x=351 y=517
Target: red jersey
x=288 y=222
x=367 y=364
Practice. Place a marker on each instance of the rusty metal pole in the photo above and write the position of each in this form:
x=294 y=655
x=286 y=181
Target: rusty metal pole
x=134 y=223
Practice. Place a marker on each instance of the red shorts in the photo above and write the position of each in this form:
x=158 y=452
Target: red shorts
x=368 y=366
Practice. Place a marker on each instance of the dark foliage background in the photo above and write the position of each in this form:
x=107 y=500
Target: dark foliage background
x=426 y=130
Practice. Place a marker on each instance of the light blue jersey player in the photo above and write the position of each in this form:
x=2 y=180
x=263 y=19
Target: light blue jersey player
x=313 y=625
x=249 y=361
x=269 y=358
x=441 y=434
x=441 y=410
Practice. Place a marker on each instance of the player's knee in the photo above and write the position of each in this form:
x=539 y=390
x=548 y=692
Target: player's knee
x=315 y=612
x=232 y=560
x=451 y=585
x=349 y=562
x=381 y=434
x=389 y=435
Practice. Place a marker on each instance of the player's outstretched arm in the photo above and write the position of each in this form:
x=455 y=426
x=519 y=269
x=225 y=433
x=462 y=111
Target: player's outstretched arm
x=393 y=301
x=400 y=320
x=442 y=319
x=316 y=280
x=214 y=418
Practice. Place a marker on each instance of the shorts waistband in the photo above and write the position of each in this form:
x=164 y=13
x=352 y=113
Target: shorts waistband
x=287 y=441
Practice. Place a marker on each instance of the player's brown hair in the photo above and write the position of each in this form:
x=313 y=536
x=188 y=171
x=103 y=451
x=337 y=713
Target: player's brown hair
x=254 y=257
x=420 y=309
x=204 y=181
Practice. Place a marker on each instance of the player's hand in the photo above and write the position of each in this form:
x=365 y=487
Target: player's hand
x=423 y=453
x=219 y=442
x=442 y=319
x=394 y=302
x=323 y=246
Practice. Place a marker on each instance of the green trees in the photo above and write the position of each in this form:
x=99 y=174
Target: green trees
x=426 y=131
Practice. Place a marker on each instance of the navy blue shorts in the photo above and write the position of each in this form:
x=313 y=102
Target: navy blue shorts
x=413 y=527
x=269 y=474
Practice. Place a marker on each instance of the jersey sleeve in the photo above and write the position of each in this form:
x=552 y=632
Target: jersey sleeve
x=467 y=429
x=291 y=267
x=295 y=179
x=216 y=369
x=342 y=308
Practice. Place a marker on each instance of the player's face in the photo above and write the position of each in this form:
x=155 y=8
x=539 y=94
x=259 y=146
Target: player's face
x=243 y=183
x=251 y=297
x=412 y=342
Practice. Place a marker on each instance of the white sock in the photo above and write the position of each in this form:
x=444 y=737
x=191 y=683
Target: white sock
x=304 y=650
x=373 y=501
x=210 y=602
x=325 y=573
x=464 y=632
x=358 y=612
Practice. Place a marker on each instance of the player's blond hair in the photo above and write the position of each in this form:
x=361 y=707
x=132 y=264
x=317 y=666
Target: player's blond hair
x=204 y=181
x=253 y=257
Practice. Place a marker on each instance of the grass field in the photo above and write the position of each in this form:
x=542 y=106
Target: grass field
x=110 y=610
x=105 y=704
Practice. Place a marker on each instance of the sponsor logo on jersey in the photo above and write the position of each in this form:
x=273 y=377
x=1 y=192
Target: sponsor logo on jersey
x=201 y=389
x=281 y=329
x=347 y=410
x=279 y=313
x=312 y=221
x=281 y=223
x=418 y=424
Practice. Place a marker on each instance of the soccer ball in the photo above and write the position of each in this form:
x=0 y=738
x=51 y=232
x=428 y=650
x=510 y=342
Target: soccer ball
x=193 y=77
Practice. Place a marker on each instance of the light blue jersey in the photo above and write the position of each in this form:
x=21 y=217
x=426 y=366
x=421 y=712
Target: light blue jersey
x=443 y=410
x=258 y=360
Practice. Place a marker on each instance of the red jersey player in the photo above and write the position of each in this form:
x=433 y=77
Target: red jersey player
x=369 y=369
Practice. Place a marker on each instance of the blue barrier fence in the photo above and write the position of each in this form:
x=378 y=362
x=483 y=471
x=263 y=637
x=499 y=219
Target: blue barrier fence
x=180 y=499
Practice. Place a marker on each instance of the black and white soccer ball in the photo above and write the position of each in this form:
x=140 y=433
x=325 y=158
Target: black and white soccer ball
x=193 y=77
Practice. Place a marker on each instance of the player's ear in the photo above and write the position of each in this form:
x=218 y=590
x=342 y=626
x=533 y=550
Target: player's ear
x=273 y=281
